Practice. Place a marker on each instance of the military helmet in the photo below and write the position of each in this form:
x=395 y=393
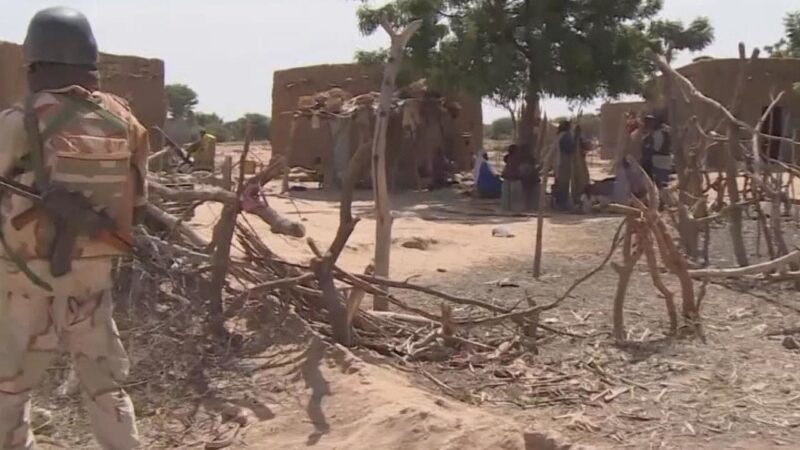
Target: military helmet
x=60 y=35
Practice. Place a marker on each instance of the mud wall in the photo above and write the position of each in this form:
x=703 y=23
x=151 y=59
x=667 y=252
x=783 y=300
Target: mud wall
x=767 y=77
x=716 y=78
x=138 y=80
x=289 y=85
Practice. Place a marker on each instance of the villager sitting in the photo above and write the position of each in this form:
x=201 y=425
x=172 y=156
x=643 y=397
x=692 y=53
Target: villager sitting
x=489 y=184
x=443 y=169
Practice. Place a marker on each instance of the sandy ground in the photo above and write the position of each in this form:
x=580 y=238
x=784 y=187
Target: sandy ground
x=458 y=230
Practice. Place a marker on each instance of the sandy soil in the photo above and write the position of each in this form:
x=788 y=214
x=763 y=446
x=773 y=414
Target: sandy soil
x=457 y=229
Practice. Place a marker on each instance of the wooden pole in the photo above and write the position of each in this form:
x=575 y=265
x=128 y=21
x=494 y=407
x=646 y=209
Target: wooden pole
x=545 y=171
x=289 y=149
x=223 y=235
x=227 y=173
x=383 y=218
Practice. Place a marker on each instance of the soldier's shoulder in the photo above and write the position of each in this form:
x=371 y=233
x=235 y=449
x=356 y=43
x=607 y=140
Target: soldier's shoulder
x=114 y=103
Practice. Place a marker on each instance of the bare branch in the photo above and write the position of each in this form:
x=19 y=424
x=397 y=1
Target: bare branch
x=173 y=223
x=199 y=194
x=748 y=270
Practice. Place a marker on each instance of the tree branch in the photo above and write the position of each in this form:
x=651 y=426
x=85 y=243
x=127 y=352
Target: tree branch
x=747 y=270
x=202 y=193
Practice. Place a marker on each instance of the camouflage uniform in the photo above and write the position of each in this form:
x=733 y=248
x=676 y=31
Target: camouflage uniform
x=77 y=312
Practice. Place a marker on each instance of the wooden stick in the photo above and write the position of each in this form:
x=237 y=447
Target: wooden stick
x=546 y=163
x=276 y=284
x=748 y=270
x=669 y=297
x=173 y=223
x=383 y=217
x=223 y=235
x=201 y=193
x=288 y=156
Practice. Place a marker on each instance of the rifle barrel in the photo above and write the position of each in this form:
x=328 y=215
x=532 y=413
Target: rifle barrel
x=19 y=189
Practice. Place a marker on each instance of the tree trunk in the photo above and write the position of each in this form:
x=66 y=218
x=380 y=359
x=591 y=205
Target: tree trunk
x=223 y=235
x=525 y=136
x=512 y=114
x=383 y=217
x=735 y=226
x=690 y=183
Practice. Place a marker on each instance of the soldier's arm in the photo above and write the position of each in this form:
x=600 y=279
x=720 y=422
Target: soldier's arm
x=13 y=143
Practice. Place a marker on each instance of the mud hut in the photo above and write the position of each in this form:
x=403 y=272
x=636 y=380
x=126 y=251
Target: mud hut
x=138 y=80
x=464 y=133
x=421 y=128
x=767 y=77
x=716 y=78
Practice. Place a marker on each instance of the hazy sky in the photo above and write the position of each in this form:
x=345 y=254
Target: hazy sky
x=228 y=50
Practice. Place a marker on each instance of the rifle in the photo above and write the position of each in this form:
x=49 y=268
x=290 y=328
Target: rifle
x=178 y=149
x=72 y=215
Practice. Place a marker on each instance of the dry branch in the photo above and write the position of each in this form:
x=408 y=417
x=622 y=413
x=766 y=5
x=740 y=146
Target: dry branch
x=755 y=269
x=199 y=194
x=254 y=203
x=383 y=217
x=173 y=223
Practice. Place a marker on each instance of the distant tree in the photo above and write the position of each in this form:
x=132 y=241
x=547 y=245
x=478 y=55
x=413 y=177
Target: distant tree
x=371 y=57
x=789 y=45
x=502 y=128
x=259 y=122
x=181 y=100
x=671 y=36
x=213 y=124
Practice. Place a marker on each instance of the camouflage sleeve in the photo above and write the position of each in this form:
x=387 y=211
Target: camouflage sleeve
x=140 y=150
x=12 y=140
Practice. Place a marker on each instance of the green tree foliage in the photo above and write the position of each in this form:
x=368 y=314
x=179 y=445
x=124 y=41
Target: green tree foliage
x=213 y=124
x=260 y=124
x=181 y=100
x=507 y=49
x=502 y=128
x=789 y=45
x=671 y=36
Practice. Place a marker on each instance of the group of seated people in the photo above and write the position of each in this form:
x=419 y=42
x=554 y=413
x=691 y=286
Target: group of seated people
x=519 y=178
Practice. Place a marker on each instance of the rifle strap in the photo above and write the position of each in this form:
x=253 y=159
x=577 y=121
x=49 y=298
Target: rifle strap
x=35 y=144
x=67 y=113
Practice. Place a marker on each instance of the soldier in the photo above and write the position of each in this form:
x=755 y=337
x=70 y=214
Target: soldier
x=203 y=151
x=66 y=135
